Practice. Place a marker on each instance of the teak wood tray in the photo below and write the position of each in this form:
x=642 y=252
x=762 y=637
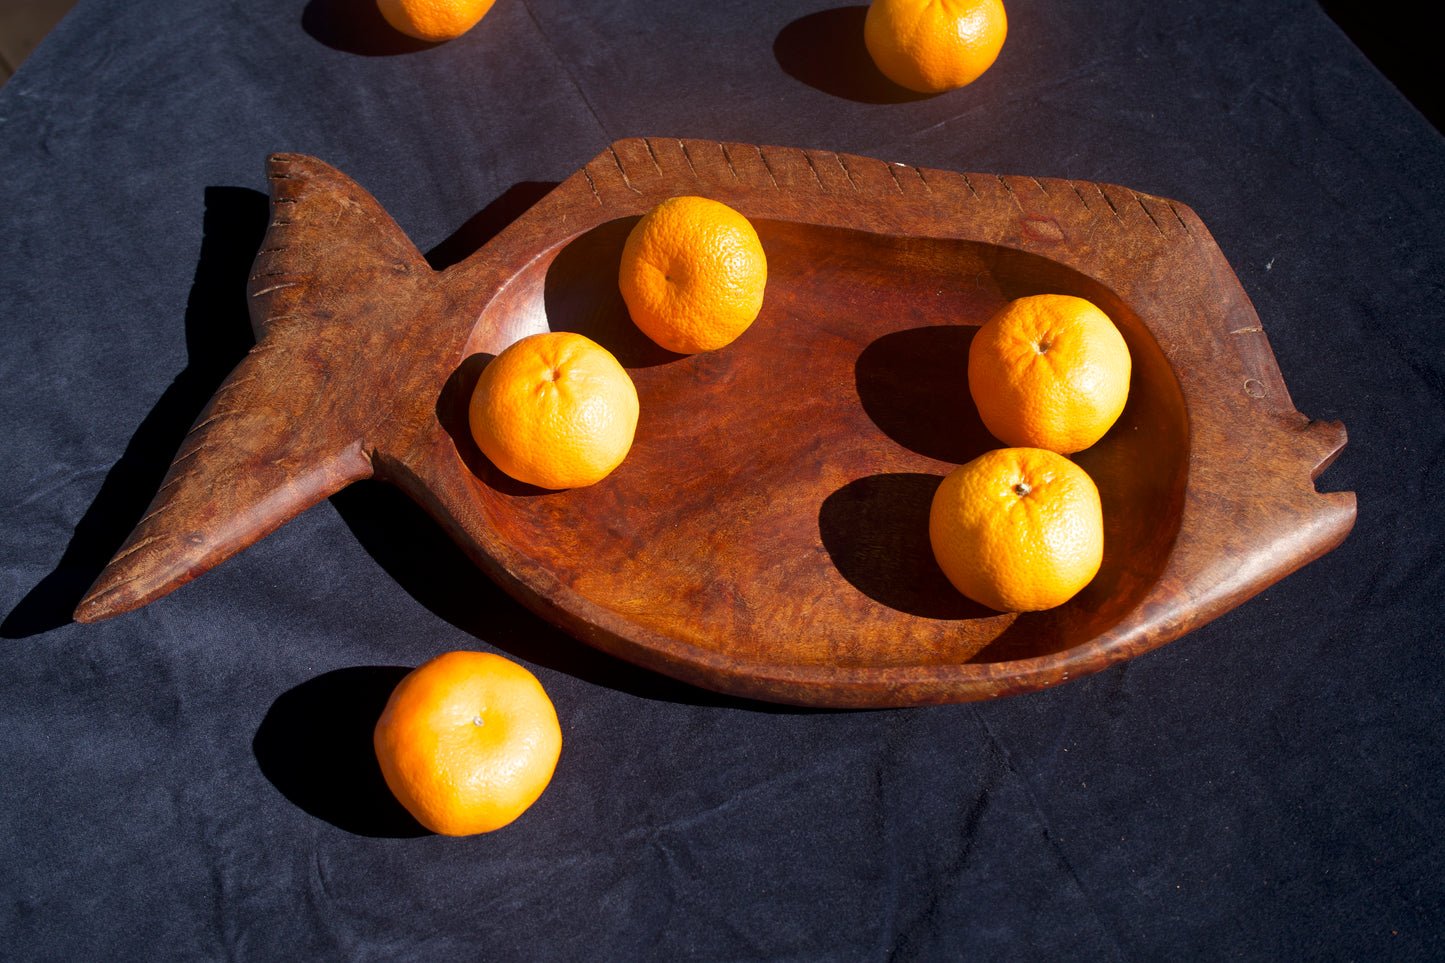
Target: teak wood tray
x=767 y=534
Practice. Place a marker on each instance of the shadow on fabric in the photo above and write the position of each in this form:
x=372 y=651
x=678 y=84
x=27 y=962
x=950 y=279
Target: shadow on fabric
x=825 y=50
x=218 y=335
x=356 y=27
x=487 y=223
x=315 y=746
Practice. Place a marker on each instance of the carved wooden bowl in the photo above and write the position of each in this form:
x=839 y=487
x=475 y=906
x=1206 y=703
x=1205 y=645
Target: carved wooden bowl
x=767 y=534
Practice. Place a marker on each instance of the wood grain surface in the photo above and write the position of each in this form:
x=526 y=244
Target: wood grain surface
x=767 y=534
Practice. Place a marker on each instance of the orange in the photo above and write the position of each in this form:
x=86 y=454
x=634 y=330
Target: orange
x=693 y=273
x=934 y=45
x=434 y=20
x=555 y=410
x=467 y=742
x=1049 y=371
x=1018 y=529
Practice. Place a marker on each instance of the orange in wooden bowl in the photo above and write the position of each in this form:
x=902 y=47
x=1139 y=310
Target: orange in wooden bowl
x=934 y=45
x=555 y=410
x=693 y=273
x=1049 y=371
x=434 y=20
x=1018 y=529
x=467 y=742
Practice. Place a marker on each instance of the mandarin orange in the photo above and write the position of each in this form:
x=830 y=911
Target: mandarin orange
x=1018 y=529
x=693 y=273
x=467 y=742
x=931 y=46
x=434 y=20
x=555 y=410
x=1049 y=371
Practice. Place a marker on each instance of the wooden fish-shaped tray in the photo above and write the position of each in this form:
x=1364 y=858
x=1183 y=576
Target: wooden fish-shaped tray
x=767 y=534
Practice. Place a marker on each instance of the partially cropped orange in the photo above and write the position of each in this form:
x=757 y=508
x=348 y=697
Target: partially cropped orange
x=1018 y=529
x=554 y=410
x=434 y=20
x=1049 y=371
x=693 y=273
x=467 y=742
x=934 y=45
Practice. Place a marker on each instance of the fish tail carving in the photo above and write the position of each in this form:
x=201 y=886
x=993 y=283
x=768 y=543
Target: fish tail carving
x=296 y=421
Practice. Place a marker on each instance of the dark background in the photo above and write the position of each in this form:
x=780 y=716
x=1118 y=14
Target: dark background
x=1397 y=41
x=192 y=780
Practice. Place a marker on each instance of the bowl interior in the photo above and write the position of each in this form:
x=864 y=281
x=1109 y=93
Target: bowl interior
x=773 y=508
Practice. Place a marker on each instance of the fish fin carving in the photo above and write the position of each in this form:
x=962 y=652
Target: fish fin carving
x=298 y=418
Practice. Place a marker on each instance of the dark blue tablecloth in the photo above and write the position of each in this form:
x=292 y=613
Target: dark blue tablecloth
x=193 y=780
